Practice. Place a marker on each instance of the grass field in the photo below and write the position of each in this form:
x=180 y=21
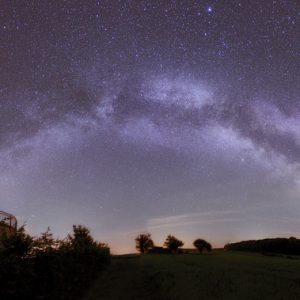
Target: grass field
x=220 y=275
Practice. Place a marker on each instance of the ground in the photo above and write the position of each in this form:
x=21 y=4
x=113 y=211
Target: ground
x=219 y=275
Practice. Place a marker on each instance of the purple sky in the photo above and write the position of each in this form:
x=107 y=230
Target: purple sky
x=172 y=117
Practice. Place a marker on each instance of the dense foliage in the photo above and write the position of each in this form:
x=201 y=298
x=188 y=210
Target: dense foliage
x=276 y=245
x=46 y=268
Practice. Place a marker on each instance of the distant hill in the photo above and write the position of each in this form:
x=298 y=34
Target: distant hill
x=271 y=245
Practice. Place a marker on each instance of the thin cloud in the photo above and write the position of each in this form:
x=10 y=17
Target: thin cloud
x=194 y=218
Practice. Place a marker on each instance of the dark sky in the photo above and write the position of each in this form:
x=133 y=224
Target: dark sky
x=178 y=117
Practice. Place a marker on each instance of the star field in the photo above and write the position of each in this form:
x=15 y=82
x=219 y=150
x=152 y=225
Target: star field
x=178 y=117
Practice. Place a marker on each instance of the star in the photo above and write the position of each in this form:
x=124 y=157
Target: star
x=209 y=9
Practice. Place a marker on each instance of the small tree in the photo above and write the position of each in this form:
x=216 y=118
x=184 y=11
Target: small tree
x=143 y=242
x=201 y=244
x=172 y=243
x=44 y=243
x=80 y=240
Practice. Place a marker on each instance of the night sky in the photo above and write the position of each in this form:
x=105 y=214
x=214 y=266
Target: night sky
x=171 y=117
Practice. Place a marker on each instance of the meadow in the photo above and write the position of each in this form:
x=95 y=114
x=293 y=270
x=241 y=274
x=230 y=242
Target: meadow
x=217 y=275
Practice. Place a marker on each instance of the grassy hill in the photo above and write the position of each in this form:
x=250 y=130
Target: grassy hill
x=219 y=275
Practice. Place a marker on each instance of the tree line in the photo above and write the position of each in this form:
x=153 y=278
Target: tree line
x=272 y=245
x=145 y=244
x=47 y=268
x=289 y=246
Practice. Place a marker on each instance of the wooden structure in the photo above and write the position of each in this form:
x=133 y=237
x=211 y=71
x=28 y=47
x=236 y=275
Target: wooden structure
x=8 y=222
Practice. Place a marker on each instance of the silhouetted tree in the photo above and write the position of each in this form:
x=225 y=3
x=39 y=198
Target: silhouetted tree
x=143 y=242
x=172 y=243
x=81 y=238
x=44 y=243
x=201 y=244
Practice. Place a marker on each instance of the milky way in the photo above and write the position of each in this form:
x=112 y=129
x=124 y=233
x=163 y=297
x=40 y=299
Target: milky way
x=178 y=117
